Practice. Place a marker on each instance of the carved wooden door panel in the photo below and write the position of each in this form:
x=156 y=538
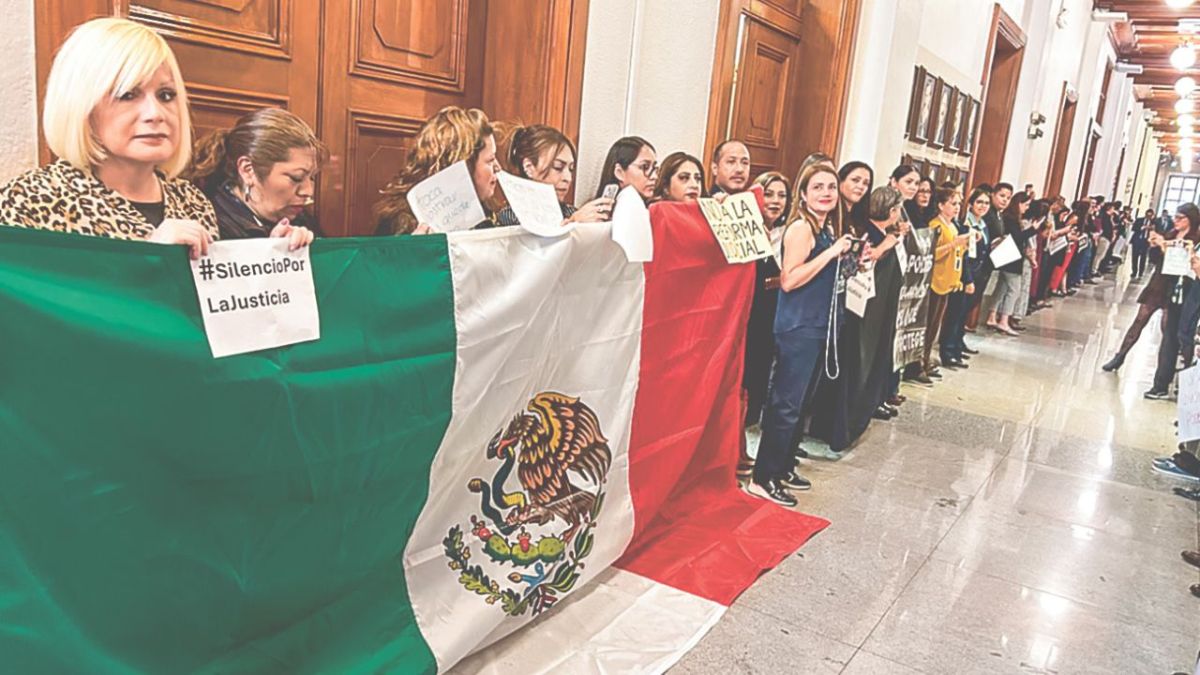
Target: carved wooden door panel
x=236 y=55
x=388 y=66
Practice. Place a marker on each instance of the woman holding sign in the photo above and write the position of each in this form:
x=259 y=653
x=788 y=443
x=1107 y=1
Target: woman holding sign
x=806 y=322
x=452 y=135
x=116 y=116
x=949 y=249
x=1008 y=283
x=544 y=154
x=260 y=176
x=681 y=179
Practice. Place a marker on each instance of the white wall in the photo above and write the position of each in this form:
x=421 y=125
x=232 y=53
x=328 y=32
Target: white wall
x=18 y=115
x=647 y=72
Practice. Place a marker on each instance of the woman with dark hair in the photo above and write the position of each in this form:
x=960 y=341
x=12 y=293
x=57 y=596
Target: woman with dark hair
x=907 y=181
x=260 y=176
x=1008 y=283
x=953 y=346
x=948 y=250
x=856 y=181
x=544 y=154
x=1159 y=290
x=1030 y=224
x=630 y=161
x=844 y=406
x=1186 y=228
x=809 y=308
x=680 y=179
x=913 y=188
x=760 y=338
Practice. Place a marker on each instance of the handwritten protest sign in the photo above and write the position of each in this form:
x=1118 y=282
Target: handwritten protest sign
x=535 y=205
x=737 y=224
x=446 y=201
x=911 y=315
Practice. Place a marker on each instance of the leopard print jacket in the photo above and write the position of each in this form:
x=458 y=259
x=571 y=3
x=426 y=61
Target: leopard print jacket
x=60 y=197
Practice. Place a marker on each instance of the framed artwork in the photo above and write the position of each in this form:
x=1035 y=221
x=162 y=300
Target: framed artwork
x=972 y=127
x=941 y=110
x=932 y=170
x=958 y=115
x=914 y=102
x=928 y=90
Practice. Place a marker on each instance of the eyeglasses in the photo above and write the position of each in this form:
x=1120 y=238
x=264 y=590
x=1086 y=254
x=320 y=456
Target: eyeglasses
x=647 y=168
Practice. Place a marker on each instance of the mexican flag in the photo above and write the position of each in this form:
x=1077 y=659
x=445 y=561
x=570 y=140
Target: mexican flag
x=511 y=450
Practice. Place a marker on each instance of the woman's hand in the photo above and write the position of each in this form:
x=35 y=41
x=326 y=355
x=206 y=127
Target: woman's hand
x=187 y=232
x=970 y=289
x=298 y=237
x=904 y=227
x=842 y=244
x=962 y=240
x=1156 y=239
x=595 y=211
x=422 y=229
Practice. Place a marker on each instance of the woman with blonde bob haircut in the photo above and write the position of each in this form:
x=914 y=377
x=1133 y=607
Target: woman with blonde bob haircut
x=116 y=116
x=452 y=135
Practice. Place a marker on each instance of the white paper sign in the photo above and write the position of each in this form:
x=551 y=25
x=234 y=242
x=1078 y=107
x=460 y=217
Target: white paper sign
x=255 y=294
x=1006 y=252
x=1177 y=260
x=446 y=201
x=737 y=223
x=1189 y=404
x=857 y=294
x=631 y=226
x=1058 y=245
x=535 y=205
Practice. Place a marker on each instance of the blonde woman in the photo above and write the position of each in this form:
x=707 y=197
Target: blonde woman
x=116 y=117
x=452 y=135
x=260 y=176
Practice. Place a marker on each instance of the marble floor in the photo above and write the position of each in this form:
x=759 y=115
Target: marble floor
x=1006 y=522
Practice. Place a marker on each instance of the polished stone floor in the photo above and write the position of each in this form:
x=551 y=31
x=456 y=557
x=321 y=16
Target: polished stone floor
x=1006 y=522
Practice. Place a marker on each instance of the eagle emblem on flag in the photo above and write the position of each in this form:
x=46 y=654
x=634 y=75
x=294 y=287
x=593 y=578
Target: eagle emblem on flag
x=541 y=526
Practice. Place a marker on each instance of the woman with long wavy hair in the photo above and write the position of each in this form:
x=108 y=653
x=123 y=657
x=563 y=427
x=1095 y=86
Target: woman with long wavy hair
x=452 y=135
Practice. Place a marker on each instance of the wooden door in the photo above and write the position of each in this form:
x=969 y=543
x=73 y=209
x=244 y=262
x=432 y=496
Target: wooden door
x=1001 y=73
x=388 y=66
x=1062 y=141
x=236 y=55
x=780 y=78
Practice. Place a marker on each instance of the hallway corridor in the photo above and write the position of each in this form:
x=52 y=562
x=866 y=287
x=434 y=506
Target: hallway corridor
x=1007 y=522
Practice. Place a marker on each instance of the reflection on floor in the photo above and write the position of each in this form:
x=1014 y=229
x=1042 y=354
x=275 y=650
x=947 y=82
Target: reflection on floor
x=1006 y=522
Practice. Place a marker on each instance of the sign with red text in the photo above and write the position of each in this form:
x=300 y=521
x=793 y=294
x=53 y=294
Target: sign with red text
x=256 y=294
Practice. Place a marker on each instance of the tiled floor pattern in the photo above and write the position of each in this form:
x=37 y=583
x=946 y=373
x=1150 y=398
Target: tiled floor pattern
x=1006 y=522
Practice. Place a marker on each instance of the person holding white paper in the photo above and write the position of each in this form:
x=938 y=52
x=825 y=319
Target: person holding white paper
x=1159 y=291
x=1008 y=284
x=630 y=161
x=261 y=176
x=115 y=115
x=544 y=154
x=1187 y=222
x=452 y=135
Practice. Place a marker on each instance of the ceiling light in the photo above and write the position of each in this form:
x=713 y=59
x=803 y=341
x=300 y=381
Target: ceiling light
x=1185 y=120
x=1183 y=57
x=1184 y=106
x=1179 y=4
x=1186 y=131
x=1184 y=86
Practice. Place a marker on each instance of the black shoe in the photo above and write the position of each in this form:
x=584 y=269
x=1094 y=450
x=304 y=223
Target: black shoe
x=891 y=409
x=955 y=365
x=922 y=378
x=1188 y=493
x=965 y=357
x=773 y=491
x=935 y=375
x=968 y=350
x=1114 y=364
x=1156 y=395
x=881 y=414
x=794 y=481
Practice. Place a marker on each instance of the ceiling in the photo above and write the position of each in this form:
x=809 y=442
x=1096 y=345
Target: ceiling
x=1147 y=39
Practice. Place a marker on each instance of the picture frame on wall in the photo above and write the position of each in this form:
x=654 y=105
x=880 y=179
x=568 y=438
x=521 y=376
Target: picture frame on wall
x=914 y=101
x=924 y=109
x=932 y=169
x=960 y=108
x=941 y=109
x=972 y=127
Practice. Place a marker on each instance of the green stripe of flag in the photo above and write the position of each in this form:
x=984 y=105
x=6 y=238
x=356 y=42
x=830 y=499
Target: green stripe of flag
x=164 y=511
